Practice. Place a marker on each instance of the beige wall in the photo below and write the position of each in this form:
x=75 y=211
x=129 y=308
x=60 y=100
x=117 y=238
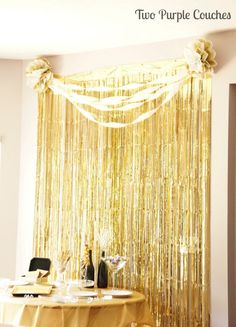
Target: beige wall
x=27 y=175
x=10 y=111
x=232 y=206
x=225 y=44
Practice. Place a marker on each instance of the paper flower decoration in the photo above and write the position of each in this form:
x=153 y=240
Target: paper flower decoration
x=39 y=73
x=200 y=56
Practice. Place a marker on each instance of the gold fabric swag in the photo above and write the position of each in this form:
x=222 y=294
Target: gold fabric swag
x=124 y=165
x=104 y=104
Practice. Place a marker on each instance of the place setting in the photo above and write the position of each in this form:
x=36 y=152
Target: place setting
x=77 y=290
x=37 y=283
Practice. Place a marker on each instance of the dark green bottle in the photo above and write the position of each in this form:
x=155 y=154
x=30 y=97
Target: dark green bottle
x=102 y=273
x=90 y=269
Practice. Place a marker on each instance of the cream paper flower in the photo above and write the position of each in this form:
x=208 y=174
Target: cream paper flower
x=200 y=56
x=39 y=73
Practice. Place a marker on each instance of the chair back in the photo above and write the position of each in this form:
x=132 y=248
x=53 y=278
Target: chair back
x=39 y=263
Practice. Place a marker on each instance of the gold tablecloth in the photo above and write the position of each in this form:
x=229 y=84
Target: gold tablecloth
x=41 y=312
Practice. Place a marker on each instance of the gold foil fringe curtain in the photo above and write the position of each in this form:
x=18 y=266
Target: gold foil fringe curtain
x=146 y=186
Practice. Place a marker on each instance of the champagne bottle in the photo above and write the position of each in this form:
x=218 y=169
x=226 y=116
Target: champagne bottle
x=102 y=273
x=90 y=268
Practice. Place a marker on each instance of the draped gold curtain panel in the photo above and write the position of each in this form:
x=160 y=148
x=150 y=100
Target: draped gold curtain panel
x=145 y=188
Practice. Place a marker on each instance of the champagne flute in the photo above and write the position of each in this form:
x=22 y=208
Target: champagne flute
x=61 y=263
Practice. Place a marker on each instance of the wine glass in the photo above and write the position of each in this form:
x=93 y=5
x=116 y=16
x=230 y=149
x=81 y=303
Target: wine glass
x=61 y=265
x=115 y=264
x=75 y=286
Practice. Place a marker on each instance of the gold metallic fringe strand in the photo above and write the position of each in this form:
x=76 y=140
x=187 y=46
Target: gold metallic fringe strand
x=148 y=185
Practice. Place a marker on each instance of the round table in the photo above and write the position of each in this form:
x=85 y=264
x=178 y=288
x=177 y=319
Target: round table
x=99 y=312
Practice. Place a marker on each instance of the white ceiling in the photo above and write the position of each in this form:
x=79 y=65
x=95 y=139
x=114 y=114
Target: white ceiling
x=31 y=28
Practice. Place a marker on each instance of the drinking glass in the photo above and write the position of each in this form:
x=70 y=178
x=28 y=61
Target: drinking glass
x=61 y=263
x=115 y=264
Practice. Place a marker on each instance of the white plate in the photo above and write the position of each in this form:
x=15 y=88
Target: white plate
x=80 y=283
x=85 y=294
x=17 y=283
x=118 y=293
x=4 y=282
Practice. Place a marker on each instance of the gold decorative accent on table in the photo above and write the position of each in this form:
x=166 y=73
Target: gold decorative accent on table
x=84 y=261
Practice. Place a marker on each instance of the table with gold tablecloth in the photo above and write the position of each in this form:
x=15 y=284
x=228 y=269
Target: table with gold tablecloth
x=100 y=312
